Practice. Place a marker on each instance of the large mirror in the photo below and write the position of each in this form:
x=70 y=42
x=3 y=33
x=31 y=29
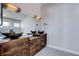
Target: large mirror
x=12 y=21
x=15 y=22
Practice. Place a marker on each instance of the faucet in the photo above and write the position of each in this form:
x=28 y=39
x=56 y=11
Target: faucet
x=11 y=31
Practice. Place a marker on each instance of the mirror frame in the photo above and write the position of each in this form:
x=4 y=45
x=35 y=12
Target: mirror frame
x=1 y=14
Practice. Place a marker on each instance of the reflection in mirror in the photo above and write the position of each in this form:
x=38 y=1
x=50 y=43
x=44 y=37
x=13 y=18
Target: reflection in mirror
x=18 y=22
x=11 y=7
x=11 y=20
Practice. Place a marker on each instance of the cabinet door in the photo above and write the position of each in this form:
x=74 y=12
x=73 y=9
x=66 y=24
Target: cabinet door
x=17 y=47
x=8 y=48
x=43 y=40
x=32 y=46
x=0 y=49
x=38 y=44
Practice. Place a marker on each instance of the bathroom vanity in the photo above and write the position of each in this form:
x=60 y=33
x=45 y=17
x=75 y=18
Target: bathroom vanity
x=23 y=46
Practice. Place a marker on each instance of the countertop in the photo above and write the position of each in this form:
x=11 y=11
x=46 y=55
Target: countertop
x=24 y=36
x=8 y=39
x=31 y=38
x=4 y=40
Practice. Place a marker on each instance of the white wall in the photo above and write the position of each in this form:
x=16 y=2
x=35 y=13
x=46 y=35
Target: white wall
x=28 y=24
x=28 y=10
x=62 y=25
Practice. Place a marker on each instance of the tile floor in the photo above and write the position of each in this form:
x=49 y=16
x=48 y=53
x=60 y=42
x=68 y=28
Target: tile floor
x=53 y=52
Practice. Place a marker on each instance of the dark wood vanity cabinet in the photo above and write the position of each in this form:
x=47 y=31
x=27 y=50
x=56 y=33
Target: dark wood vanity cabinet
x=34 y=45
x=23 y=47
x=18 y=47
x=43 y=40
x=37 y=43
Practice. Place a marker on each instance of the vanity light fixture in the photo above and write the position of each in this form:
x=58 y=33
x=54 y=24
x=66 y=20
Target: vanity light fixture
x=11 y=7
x=37 y=17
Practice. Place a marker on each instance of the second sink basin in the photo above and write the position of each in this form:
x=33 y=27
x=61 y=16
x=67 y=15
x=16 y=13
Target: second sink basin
x=12 y=36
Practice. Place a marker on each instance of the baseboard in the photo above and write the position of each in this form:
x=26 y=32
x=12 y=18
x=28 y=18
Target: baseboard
x=62 y=49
